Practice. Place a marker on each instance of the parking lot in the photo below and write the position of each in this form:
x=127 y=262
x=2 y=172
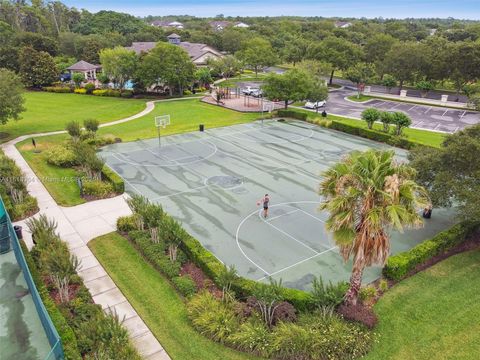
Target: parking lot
x=423 y=116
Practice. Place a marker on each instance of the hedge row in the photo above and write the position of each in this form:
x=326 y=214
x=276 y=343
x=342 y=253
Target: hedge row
x=69 y=340
x=398 y=266
x=375 y=135
x=83 y=91
x=113 y=178
x=243 y=288
x=292 y=114
x=379 y=136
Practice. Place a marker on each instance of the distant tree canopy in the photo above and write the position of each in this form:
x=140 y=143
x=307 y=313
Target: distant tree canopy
x=442 y=52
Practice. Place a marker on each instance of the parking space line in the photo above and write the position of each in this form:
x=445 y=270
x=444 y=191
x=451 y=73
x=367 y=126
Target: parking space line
x=419 y=123
x=445 y=112
x=394 y=107
x=463 y=114
x=429 y=108
x=413 y=107
x=456 y=129
x=435 y=128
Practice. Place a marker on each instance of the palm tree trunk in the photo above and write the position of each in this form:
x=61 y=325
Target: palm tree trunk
x=351 y=296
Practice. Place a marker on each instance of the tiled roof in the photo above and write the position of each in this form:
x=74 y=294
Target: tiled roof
x=83 y=66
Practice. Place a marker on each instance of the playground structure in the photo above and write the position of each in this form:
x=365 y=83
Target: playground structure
x=232 y=98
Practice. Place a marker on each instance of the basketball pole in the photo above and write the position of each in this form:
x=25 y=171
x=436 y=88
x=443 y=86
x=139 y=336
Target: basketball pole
x=159 y=138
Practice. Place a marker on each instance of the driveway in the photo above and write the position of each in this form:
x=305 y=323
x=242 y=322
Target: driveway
x=423 y=116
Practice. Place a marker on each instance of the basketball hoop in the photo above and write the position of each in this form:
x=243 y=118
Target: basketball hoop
x=161 y=121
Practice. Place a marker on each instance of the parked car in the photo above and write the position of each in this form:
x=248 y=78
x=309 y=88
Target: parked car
x=66 y=77
x=315 y=105
x=249 y=90
x=257 y=93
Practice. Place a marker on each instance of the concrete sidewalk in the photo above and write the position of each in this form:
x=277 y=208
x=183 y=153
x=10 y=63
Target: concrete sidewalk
x=417 y=100
x=76 y=226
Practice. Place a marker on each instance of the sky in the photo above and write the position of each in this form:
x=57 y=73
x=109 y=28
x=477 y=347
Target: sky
x=460 y=9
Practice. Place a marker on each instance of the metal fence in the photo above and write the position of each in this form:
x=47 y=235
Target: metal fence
x=7 y=233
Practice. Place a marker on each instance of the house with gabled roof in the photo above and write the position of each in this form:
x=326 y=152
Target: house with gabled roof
x=199 y=53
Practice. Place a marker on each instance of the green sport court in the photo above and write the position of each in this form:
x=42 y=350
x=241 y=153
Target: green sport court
x=211 y=182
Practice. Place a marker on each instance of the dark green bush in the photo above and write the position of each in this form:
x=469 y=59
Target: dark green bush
x=99 y=189
x=292 y=114
x=155 y=253
x=398 y=266
x=60 y=155
x=375 y=135
x=126 y=94
x=112 y=177
x=185 y=285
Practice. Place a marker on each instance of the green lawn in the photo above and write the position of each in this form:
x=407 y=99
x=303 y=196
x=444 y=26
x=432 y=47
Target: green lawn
x=50 y=111
x=432 y=315
x=185 y=116
x=155 y=300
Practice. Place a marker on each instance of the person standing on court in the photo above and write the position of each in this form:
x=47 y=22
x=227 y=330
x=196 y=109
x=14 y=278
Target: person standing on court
x=265 y=200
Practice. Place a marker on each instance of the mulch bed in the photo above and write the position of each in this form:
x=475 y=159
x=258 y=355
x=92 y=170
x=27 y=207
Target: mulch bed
x=200 y=279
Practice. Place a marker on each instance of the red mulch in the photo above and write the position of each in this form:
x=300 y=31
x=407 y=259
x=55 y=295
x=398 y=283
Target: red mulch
x=359 y=313
x=200 y=279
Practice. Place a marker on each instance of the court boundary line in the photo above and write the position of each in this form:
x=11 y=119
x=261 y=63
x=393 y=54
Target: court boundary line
x=237 y=233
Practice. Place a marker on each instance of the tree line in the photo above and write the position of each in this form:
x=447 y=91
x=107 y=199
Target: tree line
x=388 y=52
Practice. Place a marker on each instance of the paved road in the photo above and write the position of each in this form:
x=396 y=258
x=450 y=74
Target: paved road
x=423 y=116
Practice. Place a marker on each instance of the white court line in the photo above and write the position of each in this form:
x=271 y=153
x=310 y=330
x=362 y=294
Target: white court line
x=297 y=263
x=314 y=217
x=445 y=112
x=237 y=233
x=286 y=234
x=279 y=216
x=128 y=182
x=413 y=107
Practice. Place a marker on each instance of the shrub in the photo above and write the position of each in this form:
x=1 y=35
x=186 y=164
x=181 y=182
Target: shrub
x=126 y=94
x=398 y=266
x=57 y=89
x=374 y=135
x=368 y=293
x=114 y=93
x=400 y=120
x=292 y=114
x=91 y=125
x=187 y=92
x=185 y=285
x=291 y=341
x=78 y=78
x=126 y=224
x=99 y=92
x=215 y=319
x=383 y=285
x=80 y=91
x=26 y=208
x=113 y=178
x=97 y=188
x=60 y=155
x=254 y=337
x=359 y=313
x=386 y=119
x=89 y=87
x=370 y=115
x=74 y=130
x=328 y=294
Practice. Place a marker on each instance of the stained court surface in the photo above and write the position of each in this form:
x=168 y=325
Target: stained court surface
x=211 y=183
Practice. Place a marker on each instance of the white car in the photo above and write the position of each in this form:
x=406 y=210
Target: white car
x=250 y=90
x=315 y=105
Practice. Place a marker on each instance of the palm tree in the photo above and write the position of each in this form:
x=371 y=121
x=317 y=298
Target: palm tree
x=367 y=194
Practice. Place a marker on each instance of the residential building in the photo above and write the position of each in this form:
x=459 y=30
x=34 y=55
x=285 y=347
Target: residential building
x=199 y=53
x=223 y=24
x=342 y=24
x=167 y=24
